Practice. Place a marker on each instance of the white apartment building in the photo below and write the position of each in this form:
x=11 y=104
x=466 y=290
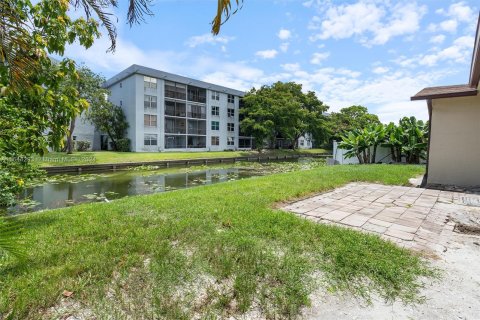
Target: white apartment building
x=169 y=112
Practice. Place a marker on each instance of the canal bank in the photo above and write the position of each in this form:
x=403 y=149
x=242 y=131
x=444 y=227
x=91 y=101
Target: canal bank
x=89 y=168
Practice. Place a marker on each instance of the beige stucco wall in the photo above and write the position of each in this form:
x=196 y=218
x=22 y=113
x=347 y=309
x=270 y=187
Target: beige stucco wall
x=455 y=142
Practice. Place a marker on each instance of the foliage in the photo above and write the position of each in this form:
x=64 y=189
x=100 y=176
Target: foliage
x=82 y=145
x=109 y=118
x=9 y=241
x=282 y=109
x=226 y=238
x=89 y=86
x=349 y=119
x=123 y=145
x=408 y=139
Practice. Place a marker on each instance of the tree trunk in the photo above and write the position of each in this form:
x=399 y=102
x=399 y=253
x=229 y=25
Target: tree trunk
x=69 y=147
x=359 y=158
x=374 y=155
x=365 y=157
x=399 y=154
x=392 y=152
x=368 y=155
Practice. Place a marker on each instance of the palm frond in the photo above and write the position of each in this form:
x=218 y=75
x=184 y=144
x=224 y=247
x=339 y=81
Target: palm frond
x=10 y=242
x=224 y=12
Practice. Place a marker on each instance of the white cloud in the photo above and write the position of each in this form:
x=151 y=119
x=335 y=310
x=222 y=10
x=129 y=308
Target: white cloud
x=456 y=13
x=207 y=38
x=291 y=67
x=380 y=70
x=438 y=39
x=284 y=46
x=459 y=52
x=372 y=22
x=267 y=54
x=449 y=25
x=318 y=57
x=284 y=34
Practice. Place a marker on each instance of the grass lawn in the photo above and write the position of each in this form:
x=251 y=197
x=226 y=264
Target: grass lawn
x=211 y=251
x=62 y=159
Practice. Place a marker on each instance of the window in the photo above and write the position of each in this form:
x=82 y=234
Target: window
x=175 y=142
x=244 y=142
x=149 y=83
x=175 y=90
x=175 y=109
x=74 y=138
x=149 y=120
x=120 y=84
x=215 y=141
x=215 y=125
x=230 y=127
x=150 y=104
x=215 y=95
x=196 y=142
x=197 y=127
x=196 y=94
x=175 y=125
x=150 y=140
x=194 y=111
x=230 y=141
x=231 y=112
x=231 y=98
x=121 y=103
x=301 y=142
x=215 y=111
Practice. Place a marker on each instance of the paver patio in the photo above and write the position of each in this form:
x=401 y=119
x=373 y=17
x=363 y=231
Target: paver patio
x=414 y=218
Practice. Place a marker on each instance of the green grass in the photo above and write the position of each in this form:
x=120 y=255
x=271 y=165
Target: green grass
x=78 y=158
x=211 y=251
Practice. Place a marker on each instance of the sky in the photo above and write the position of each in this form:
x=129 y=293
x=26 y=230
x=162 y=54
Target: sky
x=365 y=52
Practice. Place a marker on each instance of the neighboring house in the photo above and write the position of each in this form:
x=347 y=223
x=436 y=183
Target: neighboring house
x=454 y=113
x=383 y=155
x=169 y=112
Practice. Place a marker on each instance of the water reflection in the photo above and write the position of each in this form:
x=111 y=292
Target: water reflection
x=111 y=186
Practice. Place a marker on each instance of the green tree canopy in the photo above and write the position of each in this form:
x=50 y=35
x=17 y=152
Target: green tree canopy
x=282 y=109
x=351 y=118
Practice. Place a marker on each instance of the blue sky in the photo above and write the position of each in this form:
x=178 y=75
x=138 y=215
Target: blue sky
x=373 y=53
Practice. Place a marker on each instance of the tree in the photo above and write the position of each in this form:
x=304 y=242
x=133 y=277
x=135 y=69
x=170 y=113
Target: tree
x=89 y=86
x=109 y=118
x=352 y=118
x=29 y=32
x=281 y=109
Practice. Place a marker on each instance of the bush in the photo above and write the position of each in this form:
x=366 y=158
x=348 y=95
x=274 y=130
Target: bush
x=123 y=145
x=82 y=145
x=15 y=172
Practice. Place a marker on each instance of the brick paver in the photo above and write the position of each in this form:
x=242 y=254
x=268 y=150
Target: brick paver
x=411 y=217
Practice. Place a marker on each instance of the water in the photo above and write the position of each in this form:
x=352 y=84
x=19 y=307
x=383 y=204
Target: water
x=67 y=190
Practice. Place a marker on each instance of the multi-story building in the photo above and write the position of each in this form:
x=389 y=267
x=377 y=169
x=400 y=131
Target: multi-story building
x=169 y=112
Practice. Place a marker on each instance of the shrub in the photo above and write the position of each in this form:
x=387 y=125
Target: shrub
x=82 y=145
x=123 y=145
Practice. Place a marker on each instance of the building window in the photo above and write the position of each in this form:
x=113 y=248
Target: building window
x=231 y=98
x=175 y=142
x=244 y=142
x=215 y=111
x=215 y=125
x=195 y=111
x=196 y=94
x=230 y=127
x=175 y=90
x=175 y=125
x=150 y=104
x=230 y=141
x=150 y=140
x=215 y=141
x=120 y=84
x=150 y=120
x=301 y=142
x=215 y=95
x=175 y=109
x=149 y=83
x=231 y=112
x=196 y=142
x=121 y=103
x=197 y=127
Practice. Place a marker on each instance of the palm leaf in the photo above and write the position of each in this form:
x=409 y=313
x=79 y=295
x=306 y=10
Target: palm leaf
x=10 y=242
x=224 y=12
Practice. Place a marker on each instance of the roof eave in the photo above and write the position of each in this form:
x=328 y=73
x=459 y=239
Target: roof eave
x=445 y=95
x=475 y=65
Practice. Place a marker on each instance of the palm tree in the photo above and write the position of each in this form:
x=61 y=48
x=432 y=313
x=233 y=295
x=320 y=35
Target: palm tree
x=355 y=144
x=19 y=35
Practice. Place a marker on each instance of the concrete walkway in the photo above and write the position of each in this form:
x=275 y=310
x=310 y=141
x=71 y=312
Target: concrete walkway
x=414 y=218
x=420 y=219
